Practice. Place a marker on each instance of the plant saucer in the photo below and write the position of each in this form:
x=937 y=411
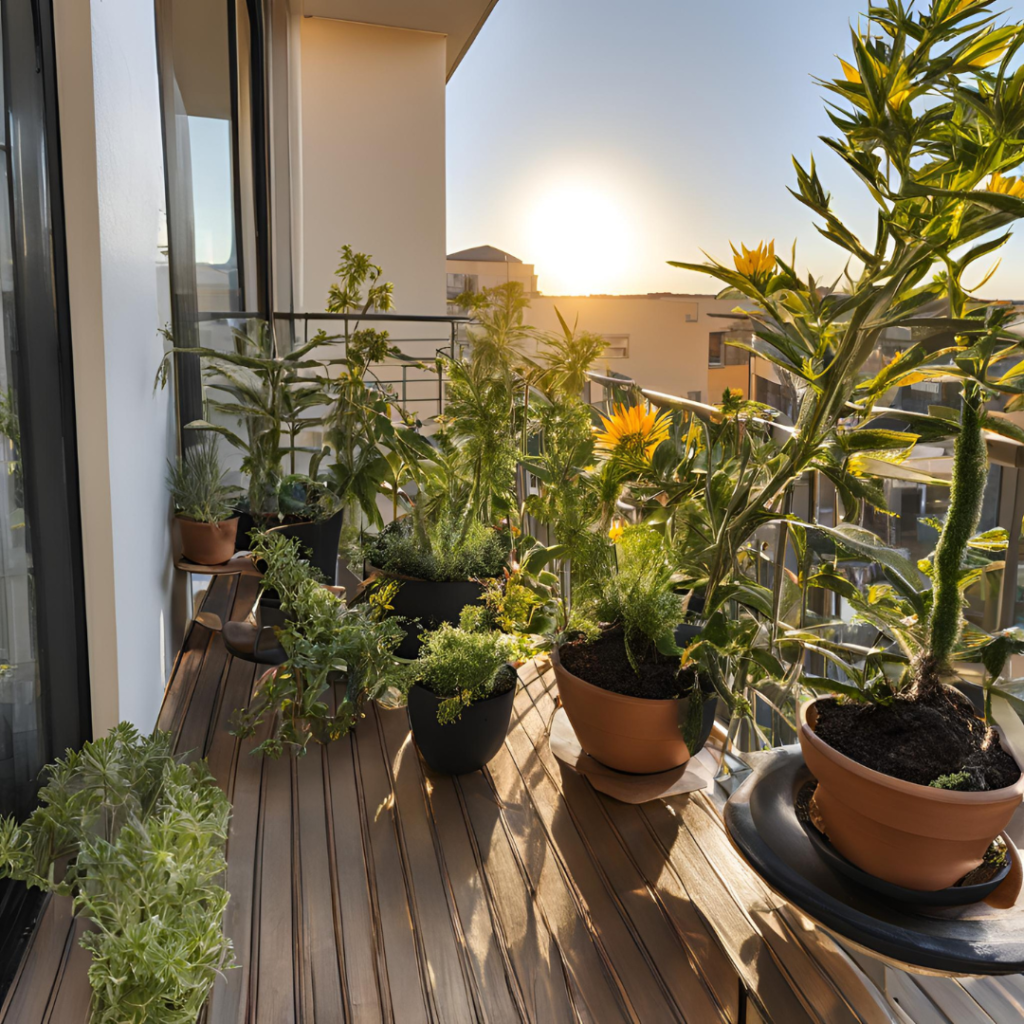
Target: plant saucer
x=953 y=896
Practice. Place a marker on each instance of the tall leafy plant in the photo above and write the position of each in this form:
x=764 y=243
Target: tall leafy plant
x=930 y=115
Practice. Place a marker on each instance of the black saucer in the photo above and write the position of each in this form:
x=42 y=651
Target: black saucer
x=954 y=896
x=762 y=822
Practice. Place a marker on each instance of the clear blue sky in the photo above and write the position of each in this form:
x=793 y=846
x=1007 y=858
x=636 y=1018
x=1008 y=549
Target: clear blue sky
x=599 y=138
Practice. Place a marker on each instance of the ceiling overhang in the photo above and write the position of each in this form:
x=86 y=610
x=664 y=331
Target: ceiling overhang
x=459 y=20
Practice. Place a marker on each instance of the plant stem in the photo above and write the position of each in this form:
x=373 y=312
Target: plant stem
x=970 y=470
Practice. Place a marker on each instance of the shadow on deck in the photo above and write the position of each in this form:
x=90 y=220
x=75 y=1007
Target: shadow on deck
x=366 y=888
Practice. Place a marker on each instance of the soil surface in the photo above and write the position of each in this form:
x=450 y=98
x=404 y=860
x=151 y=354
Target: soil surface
x=604 y=663
x=918 y=738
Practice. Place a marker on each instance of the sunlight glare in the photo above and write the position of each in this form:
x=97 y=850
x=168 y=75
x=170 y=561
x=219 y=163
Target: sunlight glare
x=580 y=239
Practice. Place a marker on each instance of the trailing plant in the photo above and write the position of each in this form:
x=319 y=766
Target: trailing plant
x=326 y=642
x=136 y=837
x=463 y=666
x=448 y=547
x=196 y=481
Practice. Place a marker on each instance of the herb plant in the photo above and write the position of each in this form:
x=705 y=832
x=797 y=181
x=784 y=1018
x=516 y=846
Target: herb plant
x=196 y=483
x=142 y=836
x=453 y=546
x=640 y=597
x=326 y=642
x=463 y=665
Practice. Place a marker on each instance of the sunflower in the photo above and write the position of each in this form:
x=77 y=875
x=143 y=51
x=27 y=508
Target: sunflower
x=632 y=433
x=1007 y=186
x=755 y=263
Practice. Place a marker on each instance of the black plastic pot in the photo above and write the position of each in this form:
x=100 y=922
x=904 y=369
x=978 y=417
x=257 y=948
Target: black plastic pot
x=432 y=603
x=462 y=746
x=319 y=539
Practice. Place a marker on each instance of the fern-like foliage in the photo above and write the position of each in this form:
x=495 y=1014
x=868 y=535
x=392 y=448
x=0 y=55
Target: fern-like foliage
x=142 y=835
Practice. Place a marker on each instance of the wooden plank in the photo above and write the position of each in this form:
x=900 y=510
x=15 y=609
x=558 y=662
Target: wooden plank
x=670 y=934
x=71 y=1005
x=449 y=974
x=318 y=949
x=500 y=996
x=912 y=1000
x=952 y=999
x=740 y=940
x=530 y=947
x=404 y=957
x=649 y=950
x=31 y=998
x=596 y=986
x=863 y=995
x=273 y=960
x=361 y=947
x=1000 y=1001
x=814 y=987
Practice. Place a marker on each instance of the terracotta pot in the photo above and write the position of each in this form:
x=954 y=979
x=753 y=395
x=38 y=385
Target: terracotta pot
x=208 y=543
x=915 y=836
x=629 y=734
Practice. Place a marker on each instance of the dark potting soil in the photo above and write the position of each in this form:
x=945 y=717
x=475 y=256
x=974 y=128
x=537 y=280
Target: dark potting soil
x=918 y=738
x=604 y=663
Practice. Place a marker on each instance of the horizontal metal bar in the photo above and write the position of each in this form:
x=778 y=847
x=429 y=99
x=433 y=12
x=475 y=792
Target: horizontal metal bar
x=411 y=318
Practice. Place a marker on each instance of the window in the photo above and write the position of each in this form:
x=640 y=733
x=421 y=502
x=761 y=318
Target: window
x=722 y=353
x=694 y=396
x=44 y=695
x=459 y=284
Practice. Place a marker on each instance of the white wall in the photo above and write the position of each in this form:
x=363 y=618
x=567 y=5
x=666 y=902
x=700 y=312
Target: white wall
x=114 y=196
x=373 y=158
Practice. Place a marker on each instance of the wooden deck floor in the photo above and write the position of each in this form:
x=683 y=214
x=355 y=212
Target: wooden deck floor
x=365 y=888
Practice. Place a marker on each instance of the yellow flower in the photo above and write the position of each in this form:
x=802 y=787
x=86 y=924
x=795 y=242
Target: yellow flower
x=632 y=433
x=1006 y=186
x=755 y=263
x=615 y=533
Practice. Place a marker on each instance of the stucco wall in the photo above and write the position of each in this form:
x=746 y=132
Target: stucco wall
x=373 y=158
x=114 y=197
x=667 y=352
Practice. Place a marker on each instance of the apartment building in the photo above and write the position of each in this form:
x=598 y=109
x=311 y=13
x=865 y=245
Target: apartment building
x=674 y=343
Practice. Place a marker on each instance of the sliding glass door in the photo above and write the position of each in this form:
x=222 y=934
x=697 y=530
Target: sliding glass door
x=44 y=702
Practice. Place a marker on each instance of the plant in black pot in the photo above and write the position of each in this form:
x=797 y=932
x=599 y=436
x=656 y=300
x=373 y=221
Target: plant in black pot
x=204 y=505
x=631 y=703
x=440 y=561
x=460 y=703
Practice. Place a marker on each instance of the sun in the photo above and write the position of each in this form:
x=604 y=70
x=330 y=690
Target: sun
x=580 y=240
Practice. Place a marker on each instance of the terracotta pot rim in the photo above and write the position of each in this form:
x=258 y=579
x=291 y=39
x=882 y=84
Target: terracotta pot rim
x=942 y=796
x=611 y=694
x=204 y=522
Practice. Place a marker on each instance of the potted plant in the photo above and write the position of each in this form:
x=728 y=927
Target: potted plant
x=136 y=838
x=439 y=561
x=204 y=505
x=336 y=657
x=913 y=783
x=632 y=706
x=460 y=703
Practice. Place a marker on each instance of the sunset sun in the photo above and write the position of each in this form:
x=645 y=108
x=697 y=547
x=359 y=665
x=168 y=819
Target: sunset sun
x=581 y=240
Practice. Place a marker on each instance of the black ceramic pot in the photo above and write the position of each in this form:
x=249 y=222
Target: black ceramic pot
x=462 y=746
x=431 y=603
x=319 y=539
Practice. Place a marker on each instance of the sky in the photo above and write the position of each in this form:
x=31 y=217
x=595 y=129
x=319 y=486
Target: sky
x=599 y=139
